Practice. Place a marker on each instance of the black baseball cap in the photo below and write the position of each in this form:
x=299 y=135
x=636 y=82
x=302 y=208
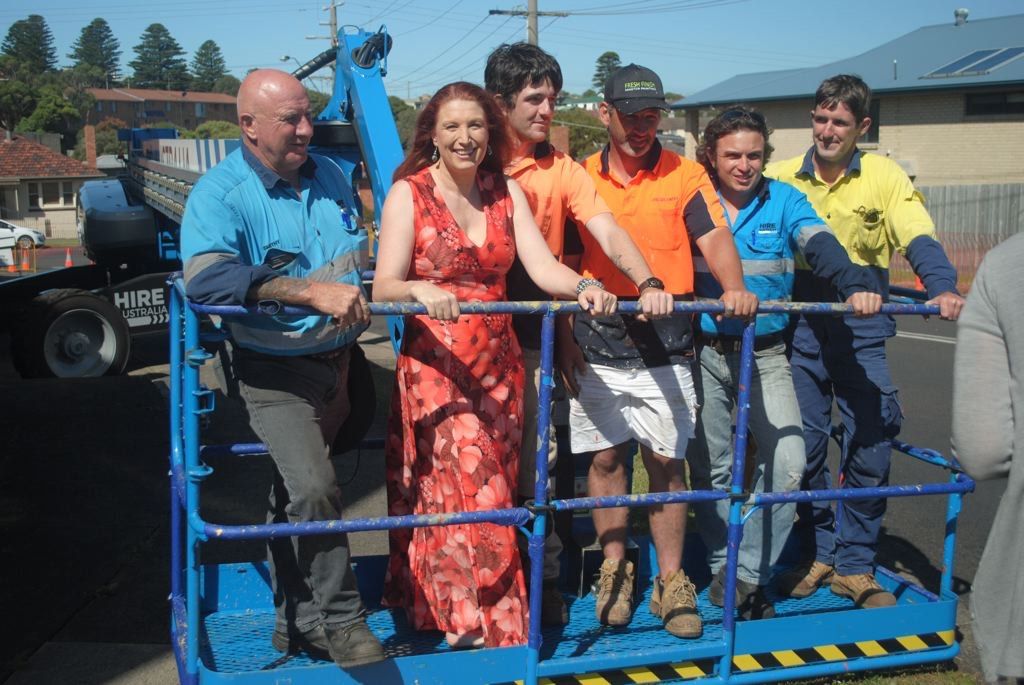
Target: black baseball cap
x=633 y=88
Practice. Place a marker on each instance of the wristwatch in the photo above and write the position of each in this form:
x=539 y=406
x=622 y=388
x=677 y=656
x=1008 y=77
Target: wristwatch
x=652 y=282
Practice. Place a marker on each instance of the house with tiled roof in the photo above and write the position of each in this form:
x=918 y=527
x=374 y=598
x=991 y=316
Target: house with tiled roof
x=948 y=101
x=139 y=107
x=38 y=187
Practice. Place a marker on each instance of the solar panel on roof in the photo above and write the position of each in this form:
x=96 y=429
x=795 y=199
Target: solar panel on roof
x=995 y=61
x=959 y=64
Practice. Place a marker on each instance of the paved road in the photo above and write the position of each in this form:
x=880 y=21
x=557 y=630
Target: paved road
x=83 y=506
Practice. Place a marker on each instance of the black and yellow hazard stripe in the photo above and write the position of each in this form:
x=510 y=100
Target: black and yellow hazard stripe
x=842 y=652
x=700 y=668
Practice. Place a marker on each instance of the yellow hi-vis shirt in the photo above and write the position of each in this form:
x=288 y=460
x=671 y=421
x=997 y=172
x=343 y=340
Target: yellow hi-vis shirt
x=873 y=209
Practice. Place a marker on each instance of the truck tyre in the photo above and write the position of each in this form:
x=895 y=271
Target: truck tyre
x=70 y=334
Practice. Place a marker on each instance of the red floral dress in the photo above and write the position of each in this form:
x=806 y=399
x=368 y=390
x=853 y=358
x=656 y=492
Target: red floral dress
x=455 y=430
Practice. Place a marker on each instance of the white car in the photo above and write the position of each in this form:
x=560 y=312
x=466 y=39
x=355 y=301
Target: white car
x=12 y=234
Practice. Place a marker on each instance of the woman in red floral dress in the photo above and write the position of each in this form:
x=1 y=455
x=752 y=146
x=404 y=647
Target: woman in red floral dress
x=451 y=227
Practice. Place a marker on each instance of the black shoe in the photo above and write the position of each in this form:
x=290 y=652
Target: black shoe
x=751 y=602
x=313 y=642
x=553 y=611
x=353 y=645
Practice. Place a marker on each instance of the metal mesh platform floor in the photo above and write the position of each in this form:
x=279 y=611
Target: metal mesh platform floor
x=239 y=641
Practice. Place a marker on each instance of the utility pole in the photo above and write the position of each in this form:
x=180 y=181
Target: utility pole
x=531 y=15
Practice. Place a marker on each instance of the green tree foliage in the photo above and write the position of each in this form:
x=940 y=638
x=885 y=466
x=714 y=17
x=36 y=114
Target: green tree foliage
x=227 y=84
x=158 y=61
x=97 y=47
x=207 y=67
x=606 y=64
x=586 y=134
x=216 y=129
x=17 y=95
x=30 y=42
x=317 y=101
x=106 y=139
x=405 y=119
x=53 y=113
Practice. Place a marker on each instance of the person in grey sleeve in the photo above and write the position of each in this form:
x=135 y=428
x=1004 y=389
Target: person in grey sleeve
x=987 y=398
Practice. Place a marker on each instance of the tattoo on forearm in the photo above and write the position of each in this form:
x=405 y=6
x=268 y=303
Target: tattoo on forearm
x=619 y=262
x=284 y=289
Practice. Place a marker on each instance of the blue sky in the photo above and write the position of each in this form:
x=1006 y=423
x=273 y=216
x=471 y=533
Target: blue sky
x=691 y=43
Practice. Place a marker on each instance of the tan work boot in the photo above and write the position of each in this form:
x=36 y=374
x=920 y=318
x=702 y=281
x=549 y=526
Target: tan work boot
x=805 y=579
x=674 y=601
x=614 y=605
x=863 y=589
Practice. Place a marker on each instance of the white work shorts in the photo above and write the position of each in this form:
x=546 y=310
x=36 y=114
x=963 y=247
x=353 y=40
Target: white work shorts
x=656 y=407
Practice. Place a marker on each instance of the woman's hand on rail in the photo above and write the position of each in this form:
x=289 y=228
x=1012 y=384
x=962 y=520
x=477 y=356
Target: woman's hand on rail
x=865 y=303
x=597 y=301
x=741 y=304
x=441 y=304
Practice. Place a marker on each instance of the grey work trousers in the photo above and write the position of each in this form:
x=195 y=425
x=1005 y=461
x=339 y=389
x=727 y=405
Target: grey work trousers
x=296 y=406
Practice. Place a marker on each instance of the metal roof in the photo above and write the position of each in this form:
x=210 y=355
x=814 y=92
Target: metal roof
x=900 y=65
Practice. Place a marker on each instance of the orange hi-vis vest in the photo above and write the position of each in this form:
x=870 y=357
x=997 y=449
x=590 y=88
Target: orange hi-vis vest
x=652 y=208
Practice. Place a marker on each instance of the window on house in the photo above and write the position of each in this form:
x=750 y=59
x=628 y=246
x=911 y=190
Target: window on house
x=50 y=194
x=113 y=106
x=994 y=103
x=874 y=111
x=99 y=105
x=200 y=110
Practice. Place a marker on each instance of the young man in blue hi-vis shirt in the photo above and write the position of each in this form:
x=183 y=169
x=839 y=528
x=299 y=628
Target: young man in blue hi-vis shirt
x=871 y=205
x=771 y=223
x=265 y=225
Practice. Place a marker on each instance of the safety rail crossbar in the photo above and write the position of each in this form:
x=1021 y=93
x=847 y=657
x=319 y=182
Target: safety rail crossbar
x=188 y=471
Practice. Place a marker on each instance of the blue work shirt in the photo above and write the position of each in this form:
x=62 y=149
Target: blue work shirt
x=245 y=225
x=776 y=224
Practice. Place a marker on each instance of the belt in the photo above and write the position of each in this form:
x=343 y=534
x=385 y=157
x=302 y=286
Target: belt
x=330 y=355
x=727 y=344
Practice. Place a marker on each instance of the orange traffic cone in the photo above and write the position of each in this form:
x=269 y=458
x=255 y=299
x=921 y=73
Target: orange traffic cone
x=67 y=258
x=25 y=266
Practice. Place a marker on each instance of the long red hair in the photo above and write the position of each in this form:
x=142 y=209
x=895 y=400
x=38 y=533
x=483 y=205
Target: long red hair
x=422 y=148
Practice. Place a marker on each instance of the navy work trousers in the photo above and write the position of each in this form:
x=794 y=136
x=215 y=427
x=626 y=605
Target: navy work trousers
x=843 y=360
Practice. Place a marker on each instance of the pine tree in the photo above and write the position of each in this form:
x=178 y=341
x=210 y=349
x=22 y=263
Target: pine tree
x=158 y=62
x=207 y=67
x=606 y=64
x=97 y=47
x=31 y=43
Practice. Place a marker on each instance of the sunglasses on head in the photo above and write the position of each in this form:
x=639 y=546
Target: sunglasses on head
x=737 y=113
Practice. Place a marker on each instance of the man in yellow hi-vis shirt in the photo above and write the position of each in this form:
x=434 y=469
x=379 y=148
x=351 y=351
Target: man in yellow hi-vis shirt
x=871 y=206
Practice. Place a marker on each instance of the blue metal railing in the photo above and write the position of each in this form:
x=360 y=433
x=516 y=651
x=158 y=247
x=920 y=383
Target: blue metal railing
x=188 y=471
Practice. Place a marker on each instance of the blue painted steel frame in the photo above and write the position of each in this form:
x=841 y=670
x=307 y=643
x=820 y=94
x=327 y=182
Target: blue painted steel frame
x=187 y=471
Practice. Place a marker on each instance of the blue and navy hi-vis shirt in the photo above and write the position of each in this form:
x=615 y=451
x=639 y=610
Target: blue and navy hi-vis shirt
x=776 y=225
x=245 y=225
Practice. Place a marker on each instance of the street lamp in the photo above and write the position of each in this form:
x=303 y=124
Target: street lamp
x=285 y=58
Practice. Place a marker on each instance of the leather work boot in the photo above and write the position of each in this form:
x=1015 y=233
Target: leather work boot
x=863 y=589
x=614 y=602
x=313 y=642
x=553 y=611
x=751 y=602
x=804 y=579
x=353 y=645
x=674 y=601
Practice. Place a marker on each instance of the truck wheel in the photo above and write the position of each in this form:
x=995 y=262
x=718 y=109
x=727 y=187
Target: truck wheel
x=71 y=334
